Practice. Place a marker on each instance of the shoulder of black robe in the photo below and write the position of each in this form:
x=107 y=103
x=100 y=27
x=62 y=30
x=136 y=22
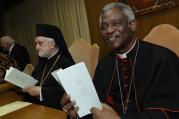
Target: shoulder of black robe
x=38 y=68
x=160 y=75
x=156 y=81
x=21 y=56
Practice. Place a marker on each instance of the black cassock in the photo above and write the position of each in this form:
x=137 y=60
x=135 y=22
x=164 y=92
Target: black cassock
x=154 y=92
x=51 y=90
x=21 y=56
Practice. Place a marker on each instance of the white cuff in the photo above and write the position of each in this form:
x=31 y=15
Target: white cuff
x=41 y=98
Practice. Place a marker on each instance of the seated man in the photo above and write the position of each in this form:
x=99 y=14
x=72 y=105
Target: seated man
x=139 y=80
x=16 y=51
x=54 y=55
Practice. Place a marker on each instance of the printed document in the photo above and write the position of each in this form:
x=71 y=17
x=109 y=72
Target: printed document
x=19 y=78
x=77 y=83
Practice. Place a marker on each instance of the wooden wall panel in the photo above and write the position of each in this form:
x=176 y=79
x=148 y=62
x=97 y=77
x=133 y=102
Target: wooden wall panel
x=145 y=22
x=2 y=32
x=148 y=21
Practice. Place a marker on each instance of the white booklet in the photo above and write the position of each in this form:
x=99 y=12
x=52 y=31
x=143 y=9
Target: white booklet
x=19 y=78
x=77 y=83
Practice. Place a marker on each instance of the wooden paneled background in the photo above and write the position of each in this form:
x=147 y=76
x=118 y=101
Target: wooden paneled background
x=145 y=22
x=2 y=32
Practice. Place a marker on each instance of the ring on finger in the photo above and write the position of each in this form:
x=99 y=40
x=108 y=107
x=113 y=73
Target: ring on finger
x=64 y=109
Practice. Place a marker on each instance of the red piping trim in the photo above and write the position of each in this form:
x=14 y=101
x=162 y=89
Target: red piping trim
x=110 y=84
x=169 y=110
x=166 y=115
x=135 y=91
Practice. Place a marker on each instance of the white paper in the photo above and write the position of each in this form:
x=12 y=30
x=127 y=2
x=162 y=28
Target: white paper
x=12 y=107
x=19 y=78
x=78 y=84
x=54 y=74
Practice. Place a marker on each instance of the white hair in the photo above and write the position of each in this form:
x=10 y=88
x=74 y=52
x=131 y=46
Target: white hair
x=126 y=9
x=7 y=39
x=49 y=39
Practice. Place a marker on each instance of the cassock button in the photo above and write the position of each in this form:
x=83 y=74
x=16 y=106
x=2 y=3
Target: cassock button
x=128 y=101
x=125 y=86
x=125 y=60
x=125 y=68
x=125 y=77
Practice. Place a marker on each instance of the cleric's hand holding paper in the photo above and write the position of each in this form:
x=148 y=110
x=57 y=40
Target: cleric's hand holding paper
x=19 y=78
x=78 y=84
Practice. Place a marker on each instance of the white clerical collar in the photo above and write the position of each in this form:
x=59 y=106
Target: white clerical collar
x=124 y=55
x=10 y=49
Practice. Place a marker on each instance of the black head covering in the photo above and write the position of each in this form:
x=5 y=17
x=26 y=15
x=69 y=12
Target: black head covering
x=54 y=32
